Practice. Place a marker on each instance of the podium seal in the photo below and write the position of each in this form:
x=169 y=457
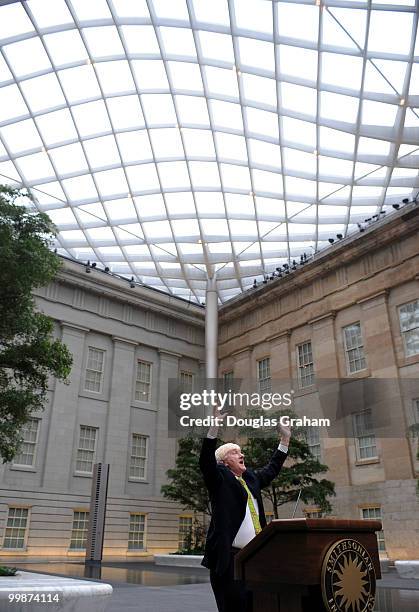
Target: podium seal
x=348 y=578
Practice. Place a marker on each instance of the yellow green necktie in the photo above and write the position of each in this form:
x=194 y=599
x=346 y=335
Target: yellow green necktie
x=253 y=513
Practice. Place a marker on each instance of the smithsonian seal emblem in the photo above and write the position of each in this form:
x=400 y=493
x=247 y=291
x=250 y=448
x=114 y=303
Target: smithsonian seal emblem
x=348 y=578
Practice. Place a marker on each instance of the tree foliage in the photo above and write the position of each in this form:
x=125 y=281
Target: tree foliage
x=28 y=352
x=187 y=486
x=300 y=472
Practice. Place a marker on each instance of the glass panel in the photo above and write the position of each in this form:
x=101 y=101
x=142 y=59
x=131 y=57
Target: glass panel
x=259 y=89
x=101 y=151
x=298 y=21
x=140 y=38
x=159 y=109
x=103 y=41
x=300 y=63
x=94 y=9
x=222 y=82
x=226 y=114
x=91 y=118
x=69 y=159
x=390 y=32
x=215 y=11
x=21 y=136
x=299 y=99
x=216 y=46
x=27 y=56
x=185 y=76
x=12 y=104
x=230 y=146
x=115 y=77
x=66 y=47
x=256 y=53
x=198 y=143
x=79 y=83
x=178 y=41
x=253 y=15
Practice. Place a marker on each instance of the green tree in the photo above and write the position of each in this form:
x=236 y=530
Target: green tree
x=28 y=352
x=187 y=486
x=300 y=472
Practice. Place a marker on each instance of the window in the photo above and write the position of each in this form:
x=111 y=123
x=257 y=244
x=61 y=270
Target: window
x=185 y=531
x=79 y=530
x=136 y=534
x=86 y=449
x=313 y=513
x=94 y=370
x=313 y=441
x=375 y=513
x=416 y=410
x=364 y=436
x=27 y=453
x=264 y=375
x=16 y=528
x=409 y=326
x=186 y=382
x=143 y=382
x=354 y=348
x=305 y=365
x=138 y=460
x=228 y=378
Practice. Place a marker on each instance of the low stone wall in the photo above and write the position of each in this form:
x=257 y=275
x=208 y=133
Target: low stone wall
x=179 y=560
x=28 y=591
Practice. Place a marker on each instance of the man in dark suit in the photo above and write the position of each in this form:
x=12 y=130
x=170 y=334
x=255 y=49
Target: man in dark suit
x=237 y=512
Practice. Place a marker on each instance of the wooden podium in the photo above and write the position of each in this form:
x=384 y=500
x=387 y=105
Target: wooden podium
x=311 y=565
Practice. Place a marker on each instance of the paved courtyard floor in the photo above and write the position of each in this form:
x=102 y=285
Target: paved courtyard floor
x=145 y=587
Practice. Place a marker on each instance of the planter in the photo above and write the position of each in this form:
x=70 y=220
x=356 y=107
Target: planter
x=30 y=591
x=408 y=569
x=179 y=560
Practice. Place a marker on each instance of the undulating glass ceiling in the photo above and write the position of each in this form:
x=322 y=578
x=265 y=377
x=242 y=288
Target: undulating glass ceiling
x=166 y=136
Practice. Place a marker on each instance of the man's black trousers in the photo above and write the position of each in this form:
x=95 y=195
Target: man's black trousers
x=230 y=594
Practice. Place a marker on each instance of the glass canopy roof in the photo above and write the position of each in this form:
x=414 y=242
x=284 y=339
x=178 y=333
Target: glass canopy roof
x=164 y=137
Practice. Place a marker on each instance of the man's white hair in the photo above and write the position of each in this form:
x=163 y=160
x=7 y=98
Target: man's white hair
x=222 y=450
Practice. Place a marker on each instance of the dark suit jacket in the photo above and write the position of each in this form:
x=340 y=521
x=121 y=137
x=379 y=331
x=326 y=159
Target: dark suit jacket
x=229 y=500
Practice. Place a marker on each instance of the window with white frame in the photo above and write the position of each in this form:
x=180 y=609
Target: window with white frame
x=79 y=530
x=313 y=441
x=86 y=449
x=143 y=381
x=365 y=441
x=186 y=381
x=354 y=348
x=15 y=533
x=264 y=375
x=185 y=531
x=409 y=327
x=94 y=370
x=138 y=459
x=305 y=365
x=374 y=513
x=136 y=533
x=27 y=453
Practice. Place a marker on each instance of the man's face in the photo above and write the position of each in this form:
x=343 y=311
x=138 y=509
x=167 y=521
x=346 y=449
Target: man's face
x=234 y=459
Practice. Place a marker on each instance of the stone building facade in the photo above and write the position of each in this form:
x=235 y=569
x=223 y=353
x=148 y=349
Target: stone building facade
x=350 y=313
x=126 y=343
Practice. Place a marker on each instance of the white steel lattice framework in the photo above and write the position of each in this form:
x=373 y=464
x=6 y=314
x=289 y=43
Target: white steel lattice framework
x=166 y=137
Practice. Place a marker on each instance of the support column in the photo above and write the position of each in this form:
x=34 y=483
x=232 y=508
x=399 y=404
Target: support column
x=211 y=329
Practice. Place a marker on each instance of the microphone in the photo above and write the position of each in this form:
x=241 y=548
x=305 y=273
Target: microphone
x=297 y=481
